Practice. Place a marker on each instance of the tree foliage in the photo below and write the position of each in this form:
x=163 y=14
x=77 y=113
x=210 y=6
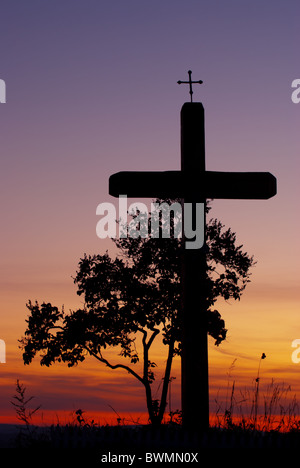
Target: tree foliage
x=138 y=293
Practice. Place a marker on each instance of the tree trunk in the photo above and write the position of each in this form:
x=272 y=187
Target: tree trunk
x=156 y=414
x=151 y=413
x=156 y=417
x=164 y=392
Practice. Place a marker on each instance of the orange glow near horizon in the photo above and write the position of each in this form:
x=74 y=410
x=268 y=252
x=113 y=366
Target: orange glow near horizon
x=96 y=389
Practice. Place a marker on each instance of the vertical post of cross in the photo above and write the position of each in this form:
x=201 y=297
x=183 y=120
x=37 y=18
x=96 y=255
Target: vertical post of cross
x=195 y=400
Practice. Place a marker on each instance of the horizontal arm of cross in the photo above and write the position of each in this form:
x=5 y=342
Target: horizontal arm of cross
x=190 y=82
x=208 y=184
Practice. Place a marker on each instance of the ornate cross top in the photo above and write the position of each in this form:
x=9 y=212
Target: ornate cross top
x=190 y=82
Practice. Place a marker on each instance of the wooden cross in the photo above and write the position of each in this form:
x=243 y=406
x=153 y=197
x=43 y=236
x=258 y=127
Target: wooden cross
x=190 y=82
x=194 y=184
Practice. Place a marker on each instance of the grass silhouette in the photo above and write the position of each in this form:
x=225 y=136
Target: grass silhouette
x=259 y=416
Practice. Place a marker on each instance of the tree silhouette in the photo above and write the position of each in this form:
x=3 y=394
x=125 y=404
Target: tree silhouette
x=135 y=295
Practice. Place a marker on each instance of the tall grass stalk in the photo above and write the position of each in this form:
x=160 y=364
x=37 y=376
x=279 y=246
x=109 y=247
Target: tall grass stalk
x=263 y=408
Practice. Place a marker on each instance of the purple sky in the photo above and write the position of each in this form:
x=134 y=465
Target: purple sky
x=92 y=90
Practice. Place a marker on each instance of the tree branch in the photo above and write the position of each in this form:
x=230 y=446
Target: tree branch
x=145 y=334
x=115 y=366
x=155 y=332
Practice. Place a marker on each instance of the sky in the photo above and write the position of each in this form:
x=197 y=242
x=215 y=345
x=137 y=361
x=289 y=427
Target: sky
x=91 y=89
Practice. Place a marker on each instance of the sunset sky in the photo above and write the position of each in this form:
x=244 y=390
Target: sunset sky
x=91 y=89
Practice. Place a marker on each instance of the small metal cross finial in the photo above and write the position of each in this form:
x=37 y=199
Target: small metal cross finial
x=190 y=82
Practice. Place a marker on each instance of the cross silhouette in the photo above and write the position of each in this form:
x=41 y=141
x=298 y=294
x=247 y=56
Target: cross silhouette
x=190 y=82
x=194 y=184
